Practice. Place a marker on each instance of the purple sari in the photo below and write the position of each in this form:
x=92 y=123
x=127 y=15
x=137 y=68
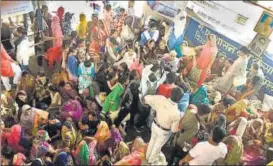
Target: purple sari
x=74 y=107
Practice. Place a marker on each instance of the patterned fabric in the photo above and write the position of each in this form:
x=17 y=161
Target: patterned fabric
x=235 y=150
x=41 y=89
x=86 y=75
x=120 y=21
x=40 y=146
x=81 y=154
x=237 y=110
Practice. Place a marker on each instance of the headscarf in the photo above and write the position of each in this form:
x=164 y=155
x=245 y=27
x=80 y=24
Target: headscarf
x=235 y=150
x=236 y=110
x=82 y=26
x=200 y=96
x=18 y=159
x=76 y=114
x=138 y=142
x=57 y=31
x=82 y=153
x=61 y=159
x=212 y=40
x=40 y=146
x=103 y=133
x=123 y=149
x=92 y=150
x=69 y=130
x=27 y=121
x=115 y=136
x=221 y=121
x=60 y=13
x=258 y=130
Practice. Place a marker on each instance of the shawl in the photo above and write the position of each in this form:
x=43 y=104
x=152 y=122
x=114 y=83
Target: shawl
x=18 y=159
x=27 y=121
x=238 y=109
x=103 y=133
x=82 y=27
x=82 y=154
x=13 y=138
x=200 y=96
x=235 y=150
x=72 y=65
x=68 y=131
x=77 y=113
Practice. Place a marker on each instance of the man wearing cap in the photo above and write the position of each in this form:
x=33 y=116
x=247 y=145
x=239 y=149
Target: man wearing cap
x=166 y=121
x=9 y=69
x=236 y=72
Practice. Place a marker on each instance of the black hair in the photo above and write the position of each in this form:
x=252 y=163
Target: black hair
x=244 y=50
x=92 y=113
x=150 y=41
x=230 y=61
x=89 y=98
x=7 y=152
x=113 y=31
x=106 y=163
x=24 y=73
x=152 y=24
x=110 y=75
x=124 y=66
x=41 y=74
x=152 y=77
x=122 y=79
x=228 y=101
x=21 y=30
x=132 y=74
x=255 y=79
x=108 y=6
x=44 y=6
x=53 y=88
x=203 y=109
x=74 y=34
x=155 y=67
x=256 y=65
x=177 y=94
x=122 y=9
x=87 y=63
x=218 y=134
x=171 y=78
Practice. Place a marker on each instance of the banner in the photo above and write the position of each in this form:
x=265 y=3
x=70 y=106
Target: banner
x=13 y=8
x=195 y=35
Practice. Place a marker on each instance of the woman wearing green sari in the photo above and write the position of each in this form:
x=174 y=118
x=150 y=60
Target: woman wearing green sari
x=200 y=96
x=112 y=101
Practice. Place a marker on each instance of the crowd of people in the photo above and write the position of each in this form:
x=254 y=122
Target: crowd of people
x=118 y=74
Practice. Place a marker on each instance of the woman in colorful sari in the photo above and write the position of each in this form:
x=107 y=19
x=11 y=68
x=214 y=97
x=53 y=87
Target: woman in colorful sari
x=252 y=143
x=72 y=65
x=27 y=84
x=237 y=110
x=40 y=145
x=98 y=38
x=42 y=94
x=82 y=27
x=81 y=153
x=103 y=133
x=67 y=92
x=72 y=108
x=112 y=101
x=13 y=137
x=86 y=73
x=54 y=54
x=64 y=159
x=70 y=136
x=235 y=150
x=137 y=155
x=9 y=109
x=200 y=96
x=204 y=61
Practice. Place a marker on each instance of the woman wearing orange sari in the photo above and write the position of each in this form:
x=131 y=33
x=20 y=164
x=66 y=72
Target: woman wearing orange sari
x=204 y=61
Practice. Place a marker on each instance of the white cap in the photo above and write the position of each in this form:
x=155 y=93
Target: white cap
x=26 y=107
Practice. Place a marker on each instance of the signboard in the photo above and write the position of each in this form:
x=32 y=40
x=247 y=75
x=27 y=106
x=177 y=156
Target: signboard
x=13 y=8
x=259 y=44
x=265 y=24
x=195 y=35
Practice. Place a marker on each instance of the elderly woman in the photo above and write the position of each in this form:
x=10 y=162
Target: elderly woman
x=204 y=61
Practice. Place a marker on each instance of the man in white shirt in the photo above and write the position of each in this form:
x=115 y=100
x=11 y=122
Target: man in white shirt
x=206 y=153
x=166 y=121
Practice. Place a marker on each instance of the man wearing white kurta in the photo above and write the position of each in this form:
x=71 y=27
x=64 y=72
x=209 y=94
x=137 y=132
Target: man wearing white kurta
x=165 y=122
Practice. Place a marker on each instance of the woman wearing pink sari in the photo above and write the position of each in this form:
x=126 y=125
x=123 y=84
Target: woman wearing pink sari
x=54 y=54
x=204 y=61
x=73 y=109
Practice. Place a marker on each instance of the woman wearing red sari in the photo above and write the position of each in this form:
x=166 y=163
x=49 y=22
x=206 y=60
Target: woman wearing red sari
x=204 y=61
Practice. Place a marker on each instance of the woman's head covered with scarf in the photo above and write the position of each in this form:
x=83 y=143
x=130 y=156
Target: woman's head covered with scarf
x=60 y=12
x=103 y=133
x=211 y=40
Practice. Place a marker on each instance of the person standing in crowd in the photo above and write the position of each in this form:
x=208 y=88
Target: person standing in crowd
x=108 y=16
x=131 y=9
x=206 y=153
x=165 y=89
x=9 y=69
x=204 y=61
x=236 y=71
x=82 y=27
x=164 y=124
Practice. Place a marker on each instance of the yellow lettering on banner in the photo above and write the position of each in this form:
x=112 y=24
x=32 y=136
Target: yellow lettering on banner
x=207 y=32
x=219 y=41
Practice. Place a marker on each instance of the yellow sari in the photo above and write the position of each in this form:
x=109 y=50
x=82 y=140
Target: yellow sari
x=103 y=133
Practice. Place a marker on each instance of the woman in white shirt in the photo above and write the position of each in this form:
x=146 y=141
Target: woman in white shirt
x=128 y=58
